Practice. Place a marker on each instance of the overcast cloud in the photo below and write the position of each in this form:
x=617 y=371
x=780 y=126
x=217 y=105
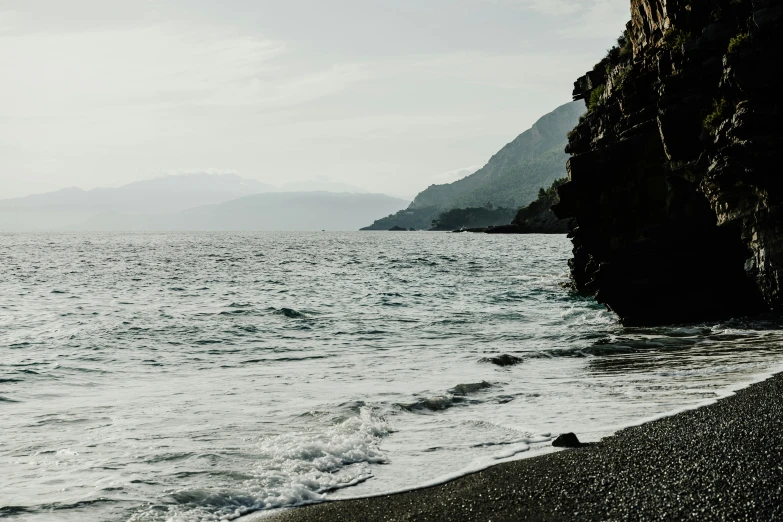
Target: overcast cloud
x=389 y=96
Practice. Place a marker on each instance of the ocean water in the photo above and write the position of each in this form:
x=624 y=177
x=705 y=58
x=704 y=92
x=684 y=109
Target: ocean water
x=189 y=377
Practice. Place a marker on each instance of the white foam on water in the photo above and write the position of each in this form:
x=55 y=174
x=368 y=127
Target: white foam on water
x=299 y=468
x=720 y=394
x=513 y=452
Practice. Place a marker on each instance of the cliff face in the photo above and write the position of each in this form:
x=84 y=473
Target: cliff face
x=674 y=184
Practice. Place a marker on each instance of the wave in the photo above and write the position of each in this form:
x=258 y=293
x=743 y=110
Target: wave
x=298 y=468
x=284 y=359
x=502 y=360
x=13 y=510
x=239 y=309
x=467 y=389
x=454 y=396
x=288 y=312
x=437 y=403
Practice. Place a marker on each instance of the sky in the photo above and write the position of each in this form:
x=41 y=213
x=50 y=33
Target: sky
x=389 y=95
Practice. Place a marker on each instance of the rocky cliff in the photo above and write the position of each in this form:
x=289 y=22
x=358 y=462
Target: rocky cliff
x=675 y=184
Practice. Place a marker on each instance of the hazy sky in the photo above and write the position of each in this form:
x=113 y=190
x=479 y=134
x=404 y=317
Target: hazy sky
x=390 y=95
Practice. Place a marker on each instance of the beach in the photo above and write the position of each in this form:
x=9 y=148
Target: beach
x=719 y=462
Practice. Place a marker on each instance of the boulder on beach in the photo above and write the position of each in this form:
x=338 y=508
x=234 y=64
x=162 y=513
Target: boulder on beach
x=566 y=440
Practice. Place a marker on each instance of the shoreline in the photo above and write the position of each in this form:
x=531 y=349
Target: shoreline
x=719 y=460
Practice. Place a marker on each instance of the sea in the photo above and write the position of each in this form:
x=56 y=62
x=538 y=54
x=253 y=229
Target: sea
x=210 y=376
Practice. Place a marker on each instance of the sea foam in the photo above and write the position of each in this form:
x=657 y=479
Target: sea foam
x=297 y=468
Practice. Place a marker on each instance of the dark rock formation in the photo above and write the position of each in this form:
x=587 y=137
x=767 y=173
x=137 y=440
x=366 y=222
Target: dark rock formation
x=398 y=229
x=566 y=440
x=674 y=183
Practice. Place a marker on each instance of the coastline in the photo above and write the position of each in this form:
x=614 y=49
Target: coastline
x=721 y=461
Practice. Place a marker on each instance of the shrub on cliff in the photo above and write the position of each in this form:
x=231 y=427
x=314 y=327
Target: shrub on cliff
x=626 y=47
x=720 y=111
x=617 y=54
x=738 y=41
x=615 y=62
x=619 y=79
x=675 y=38
x=596 y=98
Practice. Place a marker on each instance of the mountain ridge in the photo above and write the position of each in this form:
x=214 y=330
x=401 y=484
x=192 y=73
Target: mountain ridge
x=511 y=178
x=269 y=211
x=547 y=136
x=155 y=204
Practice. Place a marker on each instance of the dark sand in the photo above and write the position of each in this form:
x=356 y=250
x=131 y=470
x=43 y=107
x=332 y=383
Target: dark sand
x=719 y=462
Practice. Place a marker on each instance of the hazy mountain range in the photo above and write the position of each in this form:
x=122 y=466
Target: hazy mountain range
x=510 y=179
x=199 y=202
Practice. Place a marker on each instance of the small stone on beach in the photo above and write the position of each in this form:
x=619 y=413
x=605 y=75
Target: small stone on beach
x=566 y=440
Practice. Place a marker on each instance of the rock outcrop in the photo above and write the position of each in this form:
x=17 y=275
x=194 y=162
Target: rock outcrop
x=675 y=184
x=538 y=218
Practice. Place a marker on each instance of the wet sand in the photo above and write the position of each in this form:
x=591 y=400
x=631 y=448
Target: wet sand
x=719 y=462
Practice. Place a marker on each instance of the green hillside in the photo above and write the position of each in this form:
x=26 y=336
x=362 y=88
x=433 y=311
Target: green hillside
x=510 y=179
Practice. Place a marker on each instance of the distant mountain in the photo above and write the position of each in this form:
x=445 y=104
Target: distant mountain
x=321 y=186
x=273 y=211
x=150 y=204
x=290 y=211
x=159 y=195
x=510 y=179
